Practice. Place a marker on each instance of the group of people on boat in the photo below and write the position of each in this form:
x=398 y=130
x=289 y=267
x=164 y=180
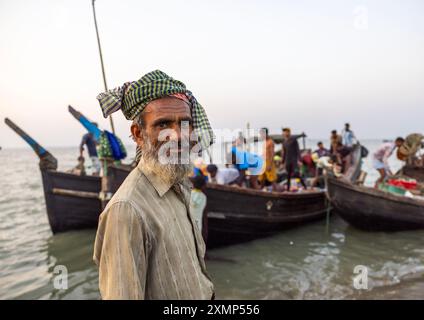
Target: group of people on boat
x=288 y=169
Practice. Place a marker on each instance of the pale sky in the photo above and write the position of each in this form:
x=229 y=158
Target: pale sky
x=311 y=65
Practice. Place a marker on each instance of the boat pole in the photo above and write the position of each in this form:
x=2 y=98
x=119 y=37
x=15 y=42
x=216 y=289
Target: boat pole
x=101 y=60
x=105 y=193
x=328 y=206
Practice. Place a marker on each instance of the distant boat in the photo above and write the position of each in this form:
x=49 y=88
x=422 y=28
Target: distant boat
x=374 y=210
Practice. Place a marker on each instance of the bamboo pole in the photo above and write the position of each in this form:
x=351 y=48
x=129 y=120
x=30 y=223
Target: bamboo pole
x=101 y=60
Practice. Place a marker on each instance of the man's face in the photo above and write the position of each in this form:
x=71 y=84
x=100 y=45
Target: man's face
x=162 y=139
x=286 y=134
x=320 y=146
x=398 y=143
x=164 y=114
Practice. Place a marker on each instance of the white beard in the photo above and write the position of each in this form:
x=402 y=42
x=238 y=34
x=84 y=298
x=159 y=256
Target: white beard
x=169 y=173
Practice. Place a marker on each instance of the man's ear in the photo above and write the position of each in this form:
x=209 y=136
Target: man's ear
x=137 y=134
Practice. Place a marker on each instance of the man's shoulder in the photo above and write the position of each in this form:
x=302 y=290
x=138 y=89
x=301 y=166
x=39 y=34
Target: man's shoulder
x=131 y=191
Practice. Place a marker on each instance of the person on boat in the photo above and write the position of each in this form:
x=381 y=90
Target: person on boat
x=344 y=156
x=323 y=164
x=200 y=169
x=269 y=175
x=381 y=159
x=222 y=175
x=91 y=143
x=348 y=137
x=147 y=245
x=409 y=149
x=335 y=139
x=322 y=151
x=79 y=169
x=321 y=157
x=249 y=166
x=198 y=201
x=308 y=165
x=291 y=156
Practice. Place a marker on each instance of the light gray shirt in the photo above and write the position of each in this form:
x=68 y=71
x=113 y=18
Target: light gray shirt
x=148 y=245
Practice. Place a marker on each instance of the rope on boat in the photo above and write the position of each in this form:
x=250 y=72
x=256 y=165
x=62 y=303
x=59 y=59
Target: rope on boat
x=328 y=205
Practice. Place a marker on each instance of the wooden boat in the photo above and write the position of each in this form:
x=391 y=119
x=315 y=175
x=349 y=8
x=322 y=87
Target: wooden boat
x=72 y=201
x=237 y=215
x=371 y=209
x=234 y=214
x=415 y=172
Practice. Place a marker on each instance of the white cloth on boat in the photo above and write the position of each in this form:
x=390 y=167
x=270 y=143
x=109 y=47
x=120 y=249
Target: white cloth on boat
x=226 y=175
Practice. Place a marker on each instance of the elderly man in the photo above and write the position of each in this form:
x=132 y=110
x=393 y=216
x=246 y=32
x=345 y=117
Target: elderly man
x=148 y=245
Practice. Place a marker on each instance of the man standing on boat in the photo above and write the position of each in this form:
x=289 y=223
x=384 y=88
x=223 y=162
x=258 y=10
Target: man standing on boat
x=291 y=156
x=335 y=139
x=348 y=136
x=269 y=175
x=148 y=245
x=91 y=143
x=381 y=157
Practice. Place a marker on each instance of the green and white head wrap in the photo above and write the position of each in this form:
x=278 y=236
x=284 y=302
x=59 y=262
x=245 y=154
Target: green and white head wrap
x=134 y=96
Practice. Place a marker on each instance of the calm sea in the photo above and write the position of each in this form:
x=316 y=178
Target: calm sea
x=315 y=261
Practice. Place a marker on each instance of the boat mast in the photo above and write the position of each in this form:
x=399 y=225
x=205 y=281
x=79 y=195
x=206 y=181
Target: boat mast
x=101 y=61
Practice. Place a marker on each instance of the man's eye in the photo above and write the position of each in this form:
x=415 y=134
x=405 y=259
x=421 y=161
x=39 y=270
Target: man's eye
x=162 y=125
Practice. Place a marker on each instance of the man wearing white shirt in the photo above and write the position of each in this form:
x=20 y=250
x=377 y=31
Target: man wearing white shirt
x=348 y=136
x=381 y=158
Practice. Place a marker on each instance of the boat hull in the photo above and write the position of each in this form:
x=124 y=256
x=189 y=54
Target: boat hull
x=374 y=210
x=68 y=212
x=234 y=215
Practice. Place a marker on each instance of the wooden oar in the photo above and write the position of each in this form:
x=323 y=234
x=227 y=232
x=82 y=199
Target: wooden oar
x=47 y=161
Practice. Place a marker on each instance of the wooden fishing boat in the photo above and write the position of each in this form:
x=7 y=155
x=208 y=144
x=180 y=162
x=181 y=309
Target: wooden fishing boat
x=237 y=215
x=234 y=214
x=374 y=210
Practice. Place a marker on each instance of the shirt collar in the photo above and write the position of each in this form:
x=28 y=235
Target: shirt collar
x=160 y=185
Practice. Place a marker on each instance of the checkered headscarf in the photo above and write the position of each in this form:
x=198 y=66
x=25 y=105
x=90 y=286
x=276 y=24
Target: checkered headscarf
x=134 y=96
